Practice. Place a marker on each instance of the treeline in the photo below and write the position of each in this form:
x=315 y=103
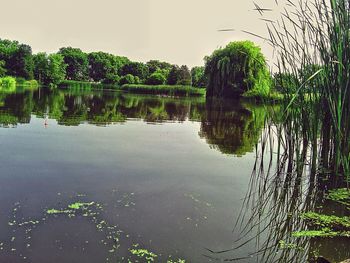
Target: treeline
x=69 y=63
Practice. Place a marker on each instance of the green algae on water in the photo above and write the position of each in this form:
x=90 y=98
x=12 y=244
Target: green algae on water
x=325 y=226
x=341 y=195
x=143 y=254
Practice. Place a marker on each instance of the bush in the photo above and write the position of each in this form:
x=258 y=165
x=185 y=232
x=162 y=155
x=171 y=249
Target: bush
x=112 y=79
x=156 y=79
x=31 y=84
x=8 y=82
x=127 y=79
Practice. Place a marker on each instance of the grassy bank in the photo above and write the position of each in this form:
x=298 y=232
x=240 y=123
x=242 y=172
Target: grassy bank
x=270 y=97
x=72 y=84
x=9 y=82
x=164 y=90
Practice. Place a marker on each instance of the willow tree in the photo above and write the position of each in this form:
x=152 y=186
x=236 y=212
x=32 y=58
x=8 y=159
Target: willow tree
x=239 y=68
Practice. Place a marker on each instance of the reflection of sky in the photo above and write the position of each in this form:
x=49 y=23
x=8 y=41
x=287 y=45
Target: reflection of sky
x=167 y=166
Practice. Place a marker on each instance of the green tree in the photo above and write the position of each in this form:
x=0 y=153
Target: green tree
x=77 y=63
x=18 y=58
x=136 y=69
x=156 y=65
x=49 y=69
x=156 y=79
x=40 y=66
x=173 y=75
x=285 y=82
x=198 y=77
x=184 y=76
x=129 y=79
x=57 y=69
x=2 y=68
x=238 y=68
x=104 y=67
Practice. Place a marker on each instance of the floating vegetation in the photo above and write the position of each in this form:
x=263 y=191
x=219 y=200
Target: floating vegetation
x=285 y=245
x=329 y=226
x=176 y=261
x=143 y=254
x=113 y=235
x=341 y=195
x=324 y=232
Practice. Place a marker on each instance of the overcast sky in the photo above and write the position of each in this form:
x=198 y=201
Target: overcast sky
x=177 y=31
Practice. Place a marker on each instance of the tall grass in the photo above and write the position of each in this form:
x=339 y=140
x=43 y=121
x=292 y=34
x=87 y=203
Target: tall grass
x=305 y=151
x=170 y=90
x=312 y=41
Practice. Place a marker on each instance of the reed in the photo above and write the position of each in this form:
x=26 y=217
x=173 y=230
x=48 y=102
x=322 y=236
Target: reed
x=305 y=151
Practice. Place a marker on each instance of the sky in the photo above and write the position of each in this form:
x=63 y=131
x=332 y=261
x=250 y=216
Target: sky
x=179 y=32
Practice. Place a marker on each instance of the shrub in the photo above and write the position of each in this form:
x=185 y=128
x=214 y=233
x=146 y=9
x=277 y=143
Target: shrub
x=8 y=82
x=156 y=79
x=127 y=79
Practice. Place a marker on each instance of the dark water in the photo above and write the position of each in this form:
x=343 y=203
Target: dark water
x=167 y=175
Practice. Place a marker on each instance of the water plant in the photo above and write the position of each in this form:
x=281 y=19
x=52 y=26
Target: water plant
x=304 y=151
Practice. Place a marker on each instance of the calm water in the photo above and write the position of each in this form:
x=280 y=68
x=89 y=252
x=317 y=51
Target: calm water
x=165 y=175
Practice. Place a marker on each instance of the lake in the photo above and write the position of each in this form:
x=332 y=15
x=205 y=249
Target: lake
x=104 y=176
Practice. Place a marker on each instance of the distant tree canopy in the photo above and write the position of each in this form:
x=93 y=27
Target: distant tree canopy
x=17 y=59
x=199 y=79
x=238 y=68
x=156 y=65
x=129 y=79
x=104 y=67
x=49 y=69
x=137 y=69
x=156 y=78
x=179 y=76
x=2 y=68
x=77 y=63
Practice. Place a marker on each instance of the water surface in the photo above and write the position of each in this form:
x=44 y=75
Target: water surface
x=169 y=174
x=104 y=176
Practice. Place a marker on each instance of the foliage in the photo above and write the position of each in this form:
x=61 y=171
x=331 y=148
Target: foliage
x=156 y=79
x=199 y=79
x=136 y=69
x=30 y=84
x=285 y=82
x=184 y=76
x=111 y=79
x=156 y=65
x=49 y=69
x=236 y=69
x=171 y=90
x=7 y=82
x=77 y=63
x=173 y=75
x=105 y=67
x=18 y=58
x=2 y=68
x=129 y=79
x=179 y=76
